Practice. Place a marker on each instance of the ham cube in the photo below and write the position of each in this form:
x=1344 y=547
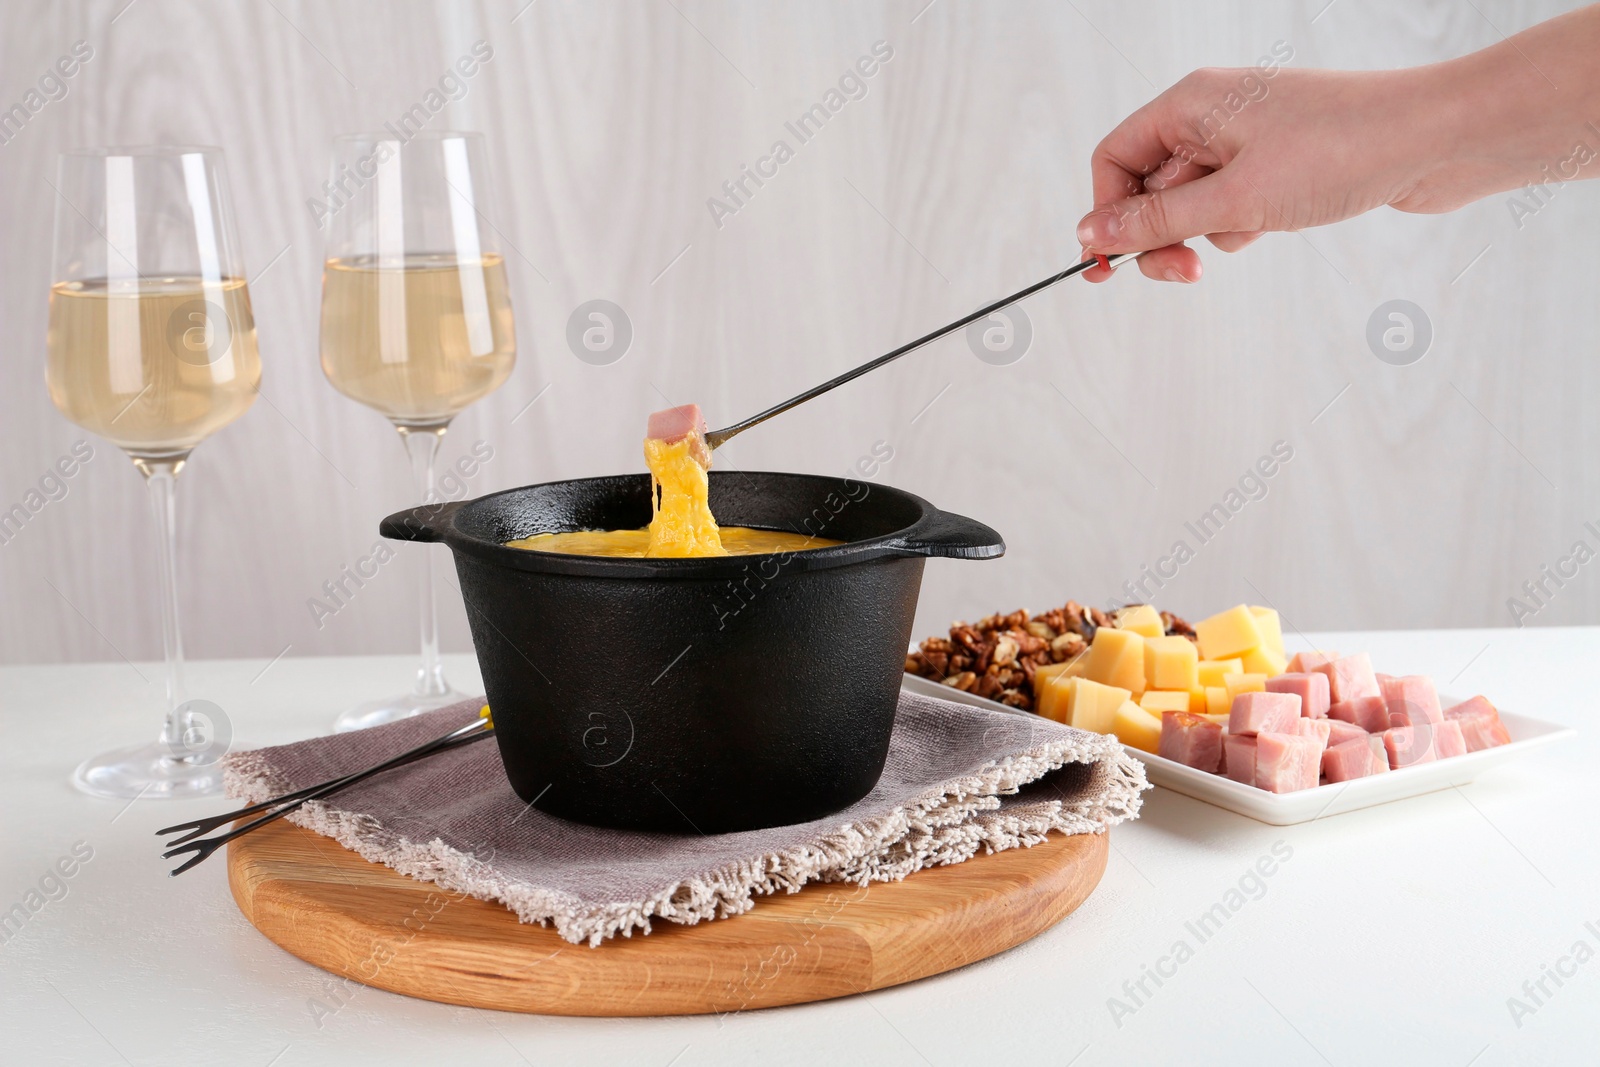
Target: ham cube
x=1476 y=706
x=1192 y=740
x=1239 y=763
x=1310 y=687
x=675 y=424
x=1380 y=754
x=1286 y=763
x=1370 y=713
x=1253 y=713
x=1350 y=677
x=1306 y=662
x=1340 y=731
x=1409 y=745
x=1315 y=728
x=1480 y=724
x=1448 y=739
x=1349 y=760
x=1405 y=716
x=1481 y=731
x=1411 y=699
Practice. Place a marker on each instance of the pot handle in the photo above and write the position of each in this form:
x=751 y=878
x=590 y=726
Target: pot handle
x=942 y=533
x=425 y=522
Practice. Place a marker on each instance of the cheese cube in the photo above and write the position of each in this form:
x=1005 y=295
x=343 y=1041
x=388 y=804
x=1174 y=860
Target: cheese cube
x=1158 y=701
x=1220 y=720
x=1197 y=700
x=1092 y=706
x=1050 y=699
x=1142 y=619
x=1271 y=629
x=1244 y=683
x=1265 y=660
x=1171 y=663
x=1212 y=671
x=1116 y=658
x=1218 y=700
x=1136 y=727
x=1228 y=633
x=1066 y=669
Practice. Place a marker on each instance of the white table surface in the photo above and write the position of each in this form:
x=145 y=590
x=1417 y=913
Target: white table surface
x=1393 y=935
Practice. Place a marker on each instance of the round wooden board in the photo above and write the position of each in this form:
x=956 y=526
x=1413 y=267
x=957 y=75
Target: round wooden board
x=364 y=921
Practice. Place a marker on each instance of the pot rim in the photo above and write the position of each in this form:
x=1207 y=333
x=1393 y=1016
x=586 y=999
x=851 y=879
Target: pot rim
x=934 y=533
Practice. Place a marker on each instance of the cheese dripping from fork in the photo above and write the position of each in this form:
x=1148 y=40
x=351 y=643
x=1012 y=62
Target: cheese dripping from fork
x=681 y=523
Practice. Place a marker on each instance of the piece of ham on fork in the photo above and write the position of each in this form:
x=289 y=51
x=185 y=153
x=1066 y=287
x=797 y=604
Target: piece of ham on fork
x=675 y=424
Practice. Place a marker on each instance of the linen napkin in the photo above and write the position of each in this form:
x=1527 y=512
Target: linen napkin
x=958 y=779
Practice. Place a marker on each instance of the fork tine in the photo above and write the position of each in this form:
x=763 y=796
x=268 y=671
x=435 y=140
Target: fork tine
x=200 y=826
x=193 y=861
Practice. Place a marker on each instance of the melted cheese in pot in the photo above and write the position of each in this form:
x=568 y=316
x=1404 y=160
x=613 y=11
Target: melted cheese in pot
x=681 y=524
x=736 y=541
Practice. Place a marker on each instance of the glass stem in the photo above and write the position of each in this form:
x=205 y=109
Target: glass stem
x=161 y=479
x=422 y=445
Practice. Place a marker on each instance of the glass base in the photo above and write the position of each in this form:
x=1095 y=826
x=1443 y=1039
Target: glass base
x=393 y=709
x=147 y=771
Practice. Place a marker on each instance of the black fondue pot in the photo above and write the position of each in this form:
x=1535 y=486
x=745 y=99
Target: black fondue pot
x=695 y=695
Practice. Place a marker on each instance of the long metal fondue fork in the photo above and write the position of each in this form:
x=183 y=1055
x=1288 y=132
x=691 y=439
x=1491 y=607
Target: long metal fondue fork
x=717 y=438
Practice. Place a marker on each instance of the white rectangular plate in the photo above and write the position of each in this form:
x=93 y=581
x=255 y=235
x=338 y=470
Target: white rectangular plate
x=1285 y=809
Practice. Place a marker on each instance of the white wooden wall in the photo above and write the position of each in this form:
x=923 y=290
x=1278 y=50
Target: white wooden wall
x=1424 y=496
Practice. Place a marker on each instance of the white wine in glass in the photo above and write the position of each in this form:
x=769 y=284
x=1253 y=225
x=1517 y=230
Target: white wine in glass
x=181 y=400
x=152 y=345
x=416 y=322
x=417 y=342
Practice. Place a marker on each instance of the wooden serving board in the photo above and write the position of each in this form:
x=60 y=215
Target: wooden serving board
x=364 y=921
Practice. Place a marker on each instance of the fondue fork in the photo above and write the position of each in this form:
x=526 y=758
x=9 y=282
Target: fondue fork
x=717 y=438
x=476 y=730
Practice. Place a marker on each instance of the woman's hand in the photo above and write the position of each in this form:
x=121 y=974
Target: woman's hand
x=1232 y=153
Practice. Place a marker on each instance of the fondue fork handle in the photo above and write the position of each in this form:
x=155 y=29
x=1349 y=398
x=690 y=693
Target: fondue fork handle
x=204 y=848
x=206 y=825
x=718 y=438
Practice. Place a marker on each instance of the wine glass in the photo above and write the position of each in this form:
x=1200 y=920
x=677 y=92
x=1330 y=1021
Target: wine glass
x=416 y=320
x=152 y=345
